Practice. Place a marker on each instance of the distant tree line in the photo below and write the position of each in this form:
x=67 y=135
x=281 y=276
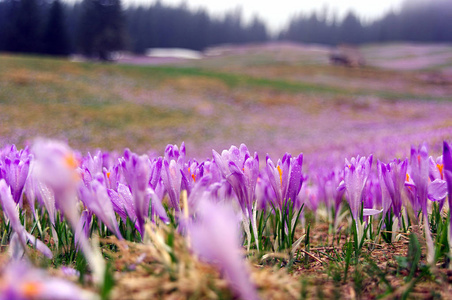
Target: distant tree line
x=417 y=21
x=164 y=26
x=96 y=28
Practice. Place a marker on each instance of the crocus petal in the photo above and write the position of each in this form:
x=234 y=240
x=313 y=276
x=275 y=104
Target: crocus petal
x=10 y=210
x=197 y=193
x=156 y=203
x=83 y=227
x=437 y=190
x=296 y=178
x=215 y=237
x=172 y=179
x=9 y=206
x=16 y=249
x=39 y=245
x=371 y=212
x=127 y=200
x=118 y=204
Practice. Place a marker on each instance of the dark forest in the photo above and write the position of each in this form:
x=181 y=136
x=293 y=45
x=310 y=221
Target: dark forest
x=96 y=28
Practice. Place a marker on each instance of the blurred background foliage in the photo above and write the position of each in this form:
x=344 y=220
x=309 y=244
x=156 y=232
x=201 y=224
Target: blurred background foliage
x=96 y=28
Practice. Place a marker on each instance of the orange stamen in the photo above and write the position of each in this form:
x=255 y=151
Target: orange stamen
x=280 y=174
x=31 y=289
x=440 y=168
x=194 y=177
x=71 y=161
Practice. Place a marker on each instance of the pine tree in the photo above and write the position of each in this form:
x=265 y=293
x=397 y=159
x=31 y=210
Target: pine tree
x=22 y=28
x=55 y=37
x=351 y=30
x=101 y=30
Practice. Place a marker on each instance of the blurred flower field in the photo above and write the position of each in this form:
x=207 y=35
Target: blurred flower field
x=342 y=189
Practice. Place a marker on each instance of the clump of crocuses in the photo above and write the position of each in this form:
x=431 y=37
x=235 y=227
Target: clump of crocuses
x=207 y=201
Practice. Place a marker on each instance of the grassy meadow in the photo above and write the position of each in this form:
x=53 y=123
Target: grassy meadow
x=274 y=99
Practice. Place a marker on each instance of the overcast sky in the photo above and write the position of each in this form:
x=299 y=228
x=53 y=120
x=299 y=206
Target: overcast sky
x=276 y=13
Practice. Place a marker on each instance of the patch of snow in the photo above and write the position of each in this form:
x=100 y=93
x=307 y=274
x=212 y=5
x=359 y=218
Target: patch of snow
x=174 y=53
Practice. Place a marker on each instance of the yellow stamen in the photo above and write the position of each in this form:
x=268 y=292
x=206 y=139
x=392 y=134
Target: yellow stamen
x=407 y=177
x=108 y=175
x=280 y=174
x=31 y=289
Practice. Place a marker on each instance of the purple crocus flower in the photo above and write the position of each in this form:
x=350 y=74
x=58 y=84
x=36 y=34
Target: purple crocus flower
x=173 y=174
x=215 y=237
x=14 y=168
x=35 y=189
x=137 y=172
x=172 y=180
x=356 y=172
x=420 y=176
x=393 y=176
x=172 y=152
x=58 y=167
x=410 y=189
x=190 y=173
x=93 y=163
x=309 y=197
x=156 y=170
x=241 y=170
x=11 y=212
x=372 y=197
x=285 y=178
x=209 y=167
x=328 y=182
x=220 y=189
x=96 y=199
x=157 y=207
x=83 y=227
x=437 y=188
x=112 y=176
x=331 y=191
x=447 y=160
x=200 y=188
x=419 y=167
x=122 y=201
